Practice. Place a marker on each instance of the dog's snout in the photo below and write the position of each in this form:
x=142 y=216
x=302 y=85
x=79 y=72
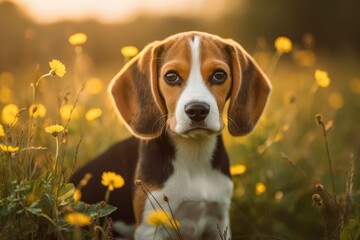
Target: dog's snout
x=197 y=111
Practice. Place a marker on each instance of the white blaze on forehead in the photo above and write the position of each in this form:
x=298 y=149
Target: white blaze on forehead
x=196 y=91
x=195 y=71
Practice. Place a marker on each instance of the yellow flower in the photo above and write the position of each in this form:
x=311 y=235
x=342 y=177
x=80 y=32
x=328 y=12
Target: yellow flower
x=93 y=114
x=54 y=129
x=10 y=114
x=77 y=195
x=85 y=180
x=278 y=137
x=355 y=85
x=112 y=180
x=305 y=58
x=260 y=188
x=336 y=100
x=2 y=132
x=5 y=94
x=78 y=219
x=156 y=218
x=322 y=78
x=129 y=51
x=283 y=45
x=57 y=68
x=237 y=169
x=77 y=39
x=68 y=110
x=37 y=110
x=7 y=79
x=94 y=86
x=8 y=149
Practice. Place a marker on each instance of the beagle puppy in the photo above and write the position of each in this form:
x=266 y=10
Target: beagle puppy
x=172 y=97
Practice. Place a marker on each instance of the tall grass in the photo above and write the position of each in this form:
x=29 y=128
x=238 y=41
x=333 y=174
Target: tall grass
x=36 y=200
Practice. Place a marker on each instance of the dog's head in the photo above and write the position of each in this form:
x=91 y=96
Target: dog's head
x=182 y=84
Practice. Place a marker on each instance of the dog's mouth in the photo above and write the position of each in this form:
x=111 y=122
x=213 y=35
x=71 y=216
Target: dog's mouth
x=199 y=130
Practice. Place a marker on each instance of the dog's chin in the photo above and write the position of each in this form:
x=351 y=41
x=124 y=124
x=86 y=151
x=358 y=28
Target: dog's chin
x=197 y=133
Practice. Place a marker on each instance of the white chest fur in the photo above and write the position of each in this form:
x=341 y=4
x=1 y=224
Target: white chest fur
x=198 y=194
x=194 y=179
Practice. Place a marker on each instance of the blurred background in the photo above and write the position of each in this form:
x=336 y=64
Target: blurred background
x=280 y=162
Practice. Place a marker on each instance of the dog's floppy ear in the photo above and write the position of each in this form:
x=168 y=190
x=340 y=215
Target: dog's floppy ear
x=249 y=92
x=135 y=94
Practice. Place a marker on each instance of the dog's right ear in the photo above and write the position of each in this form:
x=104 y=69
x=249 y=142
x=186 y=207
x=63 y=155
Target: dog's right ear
x=135 y=94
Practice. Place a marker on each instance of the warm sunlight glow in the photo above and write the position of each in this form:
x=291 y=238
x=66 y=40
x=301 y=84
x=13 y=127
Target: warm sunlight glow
x=115 y=10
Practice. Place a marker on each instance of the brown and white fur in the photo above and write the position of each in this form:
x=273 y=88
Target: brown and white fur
x=171 y=97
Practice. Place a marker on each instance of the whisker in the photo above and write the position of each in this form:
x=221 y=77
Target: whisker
x=231 y=122
x=157 y=120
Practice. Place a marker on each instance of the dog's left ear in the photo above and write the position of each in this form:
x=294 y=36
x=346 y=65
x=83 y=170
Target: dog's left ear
x=249 y=92
x=135 y=94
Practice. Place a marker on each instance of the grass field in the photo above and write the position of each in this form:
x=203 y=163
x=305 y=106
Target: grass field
x=297 y=176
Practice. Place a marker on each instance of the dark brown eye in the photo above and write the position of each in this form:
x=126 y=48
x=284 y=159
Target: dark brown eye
x=218 y=77
x=172 y=78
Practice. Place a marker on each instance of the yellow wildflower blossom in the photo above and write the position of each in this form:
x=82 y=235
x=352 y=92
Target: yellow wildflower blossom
x=94 y=86
x=355 y=85
x=7 y=79
x=112 y=180
x=237 y=169
x=306 y=58
x=77 y=195
x=8 y=149
x=278 y=136
x=68 y=110
x=129 y=51
x=157 y=217
x=322 y=78
x=54 y=129
x=37 y=110
x=9 y=114
x=5 y=94
x=2 y=132
x=77 y=39
x=260 y=188
x=93 y=114
x=57 y=68
x=78 y=219
x=283 y=45
x=336 y=100
x=85 y=180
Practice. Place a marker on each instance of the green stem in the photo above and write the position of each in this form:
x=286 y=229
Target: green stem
x=34 y=87
x=36 y=84
x=77 y=233
x=57 y=149
x=329 y=160
x=273 y=63
x=107 y=195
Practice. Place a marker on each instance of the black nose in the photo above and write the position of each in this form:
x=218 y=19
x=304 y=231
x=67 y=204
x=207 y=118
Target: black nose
x=197 y=111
